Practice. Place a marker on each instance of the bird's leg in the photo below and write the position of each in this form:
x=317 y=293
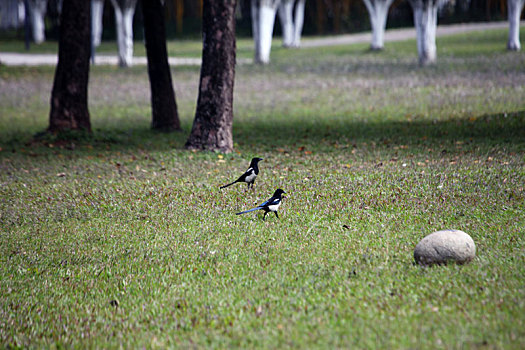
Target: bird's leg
x=276 y=214
x=264 y=216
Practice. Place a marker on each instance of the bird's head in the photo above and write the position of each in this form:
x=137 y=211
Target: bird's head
x=278 y=193
x=255 y=161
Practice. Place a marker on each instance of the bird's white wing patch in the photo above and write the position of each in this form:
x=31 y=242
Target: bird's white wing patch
x=274 y=206
x=251 y=175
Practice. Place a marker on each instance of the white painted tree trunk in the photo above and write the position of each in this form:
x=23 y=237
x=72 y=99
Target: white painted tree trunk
x=378 y=11
x=37 y=11
x=264 y=20
x=514 y=8
x=298 y=22
x=292 y=21
x=97 y=8
x=287 y=23
x=425 y=21
x=124 y=11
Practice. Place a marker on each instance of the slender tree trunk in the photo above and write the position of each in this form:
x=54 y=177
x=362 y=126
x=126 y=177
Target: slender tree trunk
x=425 y=21
x=69 y=107
x=254 y=10
x=96 y=21
x=514 y=8
x=212 y=126
x=264 y=12
x=378 y=11
x=298 y=21
x=37 y=9
x=124 y=11
x=287 y=23
x=163 y=105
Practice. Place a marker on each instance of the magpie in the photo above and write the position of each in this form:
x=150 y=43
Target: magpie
x=249 y=175
x=271 y=204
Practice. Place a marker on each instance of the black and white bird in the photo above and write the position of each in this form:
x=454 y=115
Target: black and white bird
x=271 y=205
x=249 y=175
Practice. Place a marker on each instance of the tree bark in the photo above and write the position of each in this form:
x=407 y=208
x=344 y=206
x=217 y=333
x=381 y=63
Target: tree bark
x=514 y=8
x=69 y=107
x=163 y=105
x=212 y=126
x=378 y=11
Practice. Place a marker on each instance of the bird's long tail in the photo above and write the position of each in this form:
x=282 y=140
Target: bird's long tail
x=247 y=211
x=228 y=185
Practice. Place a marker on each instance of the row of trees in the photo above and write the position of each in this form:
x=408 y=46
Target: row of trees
x=425 y=13
x=212 y=127
x=291 y=14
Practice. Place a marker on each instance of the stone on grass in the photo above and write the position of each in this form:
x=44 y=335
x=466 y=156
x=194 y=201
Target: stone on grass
x=445 y=246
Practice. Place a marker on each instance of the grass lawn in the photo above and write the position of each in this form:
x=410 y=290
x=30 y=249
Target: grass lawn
x=124 y=239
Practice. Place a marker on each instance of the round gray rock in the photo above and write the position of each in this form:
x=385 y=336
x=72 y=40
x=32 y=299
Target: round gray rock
x=445 y=246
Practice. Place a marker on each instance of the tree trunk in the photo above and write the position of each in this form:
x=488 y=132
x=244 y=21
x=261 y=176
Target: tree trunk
x=298 y=21
x=425 y=21
x=37 y=9
x=263 y=16
x=378 y=11
x=124 y=11
x=212 y=126
x=69 y=107
x=287 y=23
x=96 y=21
x=163 y=105
x=514 y=14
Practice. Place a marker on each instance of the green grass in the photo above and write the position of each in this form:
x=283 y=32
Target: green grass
x=366 y=140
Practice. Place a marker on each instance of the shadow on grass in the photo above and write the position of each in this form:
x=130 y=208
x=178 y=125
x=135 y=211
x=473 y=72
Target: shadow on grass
x=267 y=135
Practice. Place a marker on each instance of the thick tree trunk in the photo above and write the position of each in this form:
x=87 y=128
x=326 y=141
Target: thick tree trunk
x=378 y=11
x=69 y=107
x=425 y=21
x=163 y=105
x=97 y=7
x=124 y=11
x=212 y=126
x=514 y=8
x=37 y=11
x=263 y=16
